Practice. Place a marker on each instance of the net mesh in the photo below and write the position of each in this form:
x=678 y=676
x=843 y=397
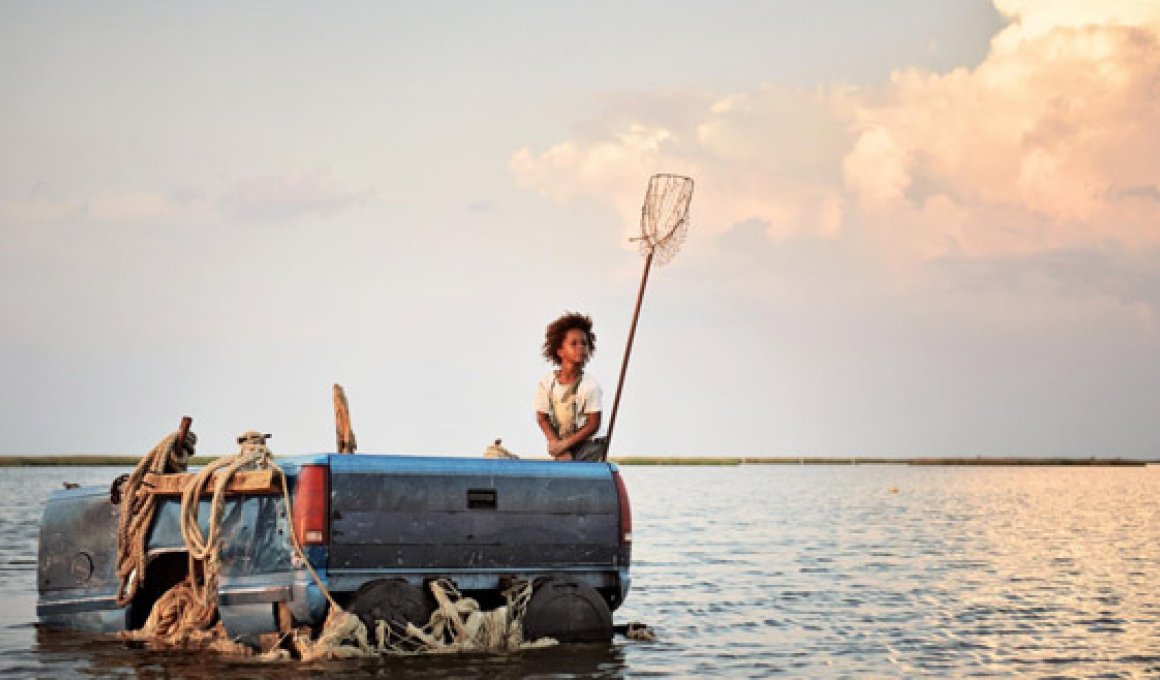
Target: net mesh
x=664 y=218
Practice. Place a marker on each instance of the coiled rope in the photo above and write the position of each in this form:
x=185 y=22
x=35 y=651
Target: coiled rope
x=204 y=551
x=184 y=614
x=138 y=505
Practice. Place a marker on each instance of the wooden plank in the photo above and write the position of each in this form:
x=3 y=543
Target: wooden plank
x=243 y=482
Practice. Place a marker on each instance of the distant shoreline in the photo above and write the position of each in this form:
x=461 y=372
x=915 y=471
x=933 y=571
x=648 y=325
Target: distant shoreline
x=130 y=461
x=868 y=460
x=84 y=461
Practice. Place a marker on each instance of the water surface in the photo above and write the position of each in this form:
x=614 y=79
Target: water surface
x=804 y=571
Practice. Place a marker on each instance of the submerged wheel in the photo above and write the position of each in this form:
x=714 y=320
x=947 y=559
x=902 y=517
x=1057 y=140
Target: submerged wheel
x=567 y=610
x=392 y=600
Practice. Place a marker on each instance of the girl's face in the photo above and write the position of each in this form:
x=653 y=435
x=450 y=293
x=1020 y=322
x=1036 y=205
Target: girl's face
x=574 y=349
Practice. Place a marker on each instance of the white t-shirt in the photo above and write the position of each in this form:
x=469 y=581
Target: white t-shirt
x=588 y=399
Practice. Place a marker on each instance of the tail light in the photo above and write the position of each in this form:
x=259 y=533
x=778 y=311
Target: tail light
x=311 y=498
x=625 y=509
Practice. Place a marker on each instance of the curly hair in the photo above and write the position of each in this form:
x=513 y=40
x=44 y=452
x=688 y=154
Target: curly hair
x=554 y=336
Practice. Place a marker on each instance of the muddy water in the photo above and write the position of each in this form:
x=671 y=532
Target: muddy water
x=826 y=571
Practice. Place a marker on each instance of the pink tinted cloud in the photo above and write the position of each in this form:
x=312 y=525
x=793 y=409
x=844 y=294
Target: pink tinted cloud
x=771 y=155
x=1049 y=143
x=41 y=205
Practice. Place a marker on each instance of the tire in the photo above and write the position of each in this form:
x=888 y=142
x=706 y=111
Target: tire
x=392 y=600
x=567 y=610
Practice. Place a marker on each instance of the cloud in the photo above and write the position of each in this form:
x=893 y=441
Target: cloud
x=264 y=198
x=1049 y=143
x=137 y=206
x=38 y=205
x=42 y=205
x=1033 y=18
x=1054 y=124
x=770 y=156
x=603 y=168
x=290 y=195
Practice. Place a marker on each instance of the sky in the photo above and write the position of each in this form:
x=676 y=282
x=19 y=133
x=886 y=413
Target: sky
x=919 y=228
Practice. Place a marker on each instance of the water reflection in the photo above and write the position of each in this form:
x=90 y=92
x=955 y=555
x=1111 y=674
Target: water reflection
x=989 y=571
x=103 y=656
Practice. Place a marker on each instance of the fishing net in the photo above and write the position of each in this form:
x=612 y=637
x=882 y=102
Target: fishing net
x=664 y=222
x=664 y=218
x=458 y=624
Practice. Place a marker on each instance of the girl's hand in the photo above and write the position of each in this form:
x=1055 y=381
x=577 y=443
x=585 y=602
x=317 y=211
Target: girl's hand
x=557 y=447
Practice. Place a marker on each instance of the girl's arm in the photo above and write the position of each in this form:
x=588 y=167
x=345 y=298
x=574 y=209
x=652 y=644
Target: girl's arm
x=548 y=430
x=560 y=446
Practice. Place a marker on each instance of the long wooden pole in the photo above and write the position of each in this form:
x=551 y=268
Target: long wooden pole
x=628 y=349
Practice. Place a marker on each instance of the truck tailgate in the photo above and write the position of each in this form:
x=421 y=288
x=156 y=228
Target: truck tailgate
x=412 y=513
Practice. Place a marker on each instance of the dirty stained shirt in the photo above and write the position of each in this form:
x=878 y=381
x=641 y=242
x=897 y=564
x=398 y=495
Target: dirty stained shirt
x=567 y=410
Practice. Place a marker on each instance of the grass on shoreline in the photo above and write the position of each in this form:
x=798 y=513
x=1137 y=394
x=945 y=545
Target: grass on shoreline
x=130 y=461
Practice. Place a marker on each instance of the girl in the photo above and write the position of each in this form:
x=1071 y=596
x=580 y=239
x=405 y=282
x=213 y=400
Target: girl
x=568 y=400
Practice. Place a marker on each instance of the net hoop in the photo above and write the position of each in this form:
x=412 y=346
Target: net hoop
x=664 y=217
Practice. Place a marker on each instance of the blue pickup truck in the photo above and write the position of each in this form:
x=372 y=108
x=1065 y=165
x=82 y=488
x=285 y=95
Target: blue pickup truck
x=376 y=529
